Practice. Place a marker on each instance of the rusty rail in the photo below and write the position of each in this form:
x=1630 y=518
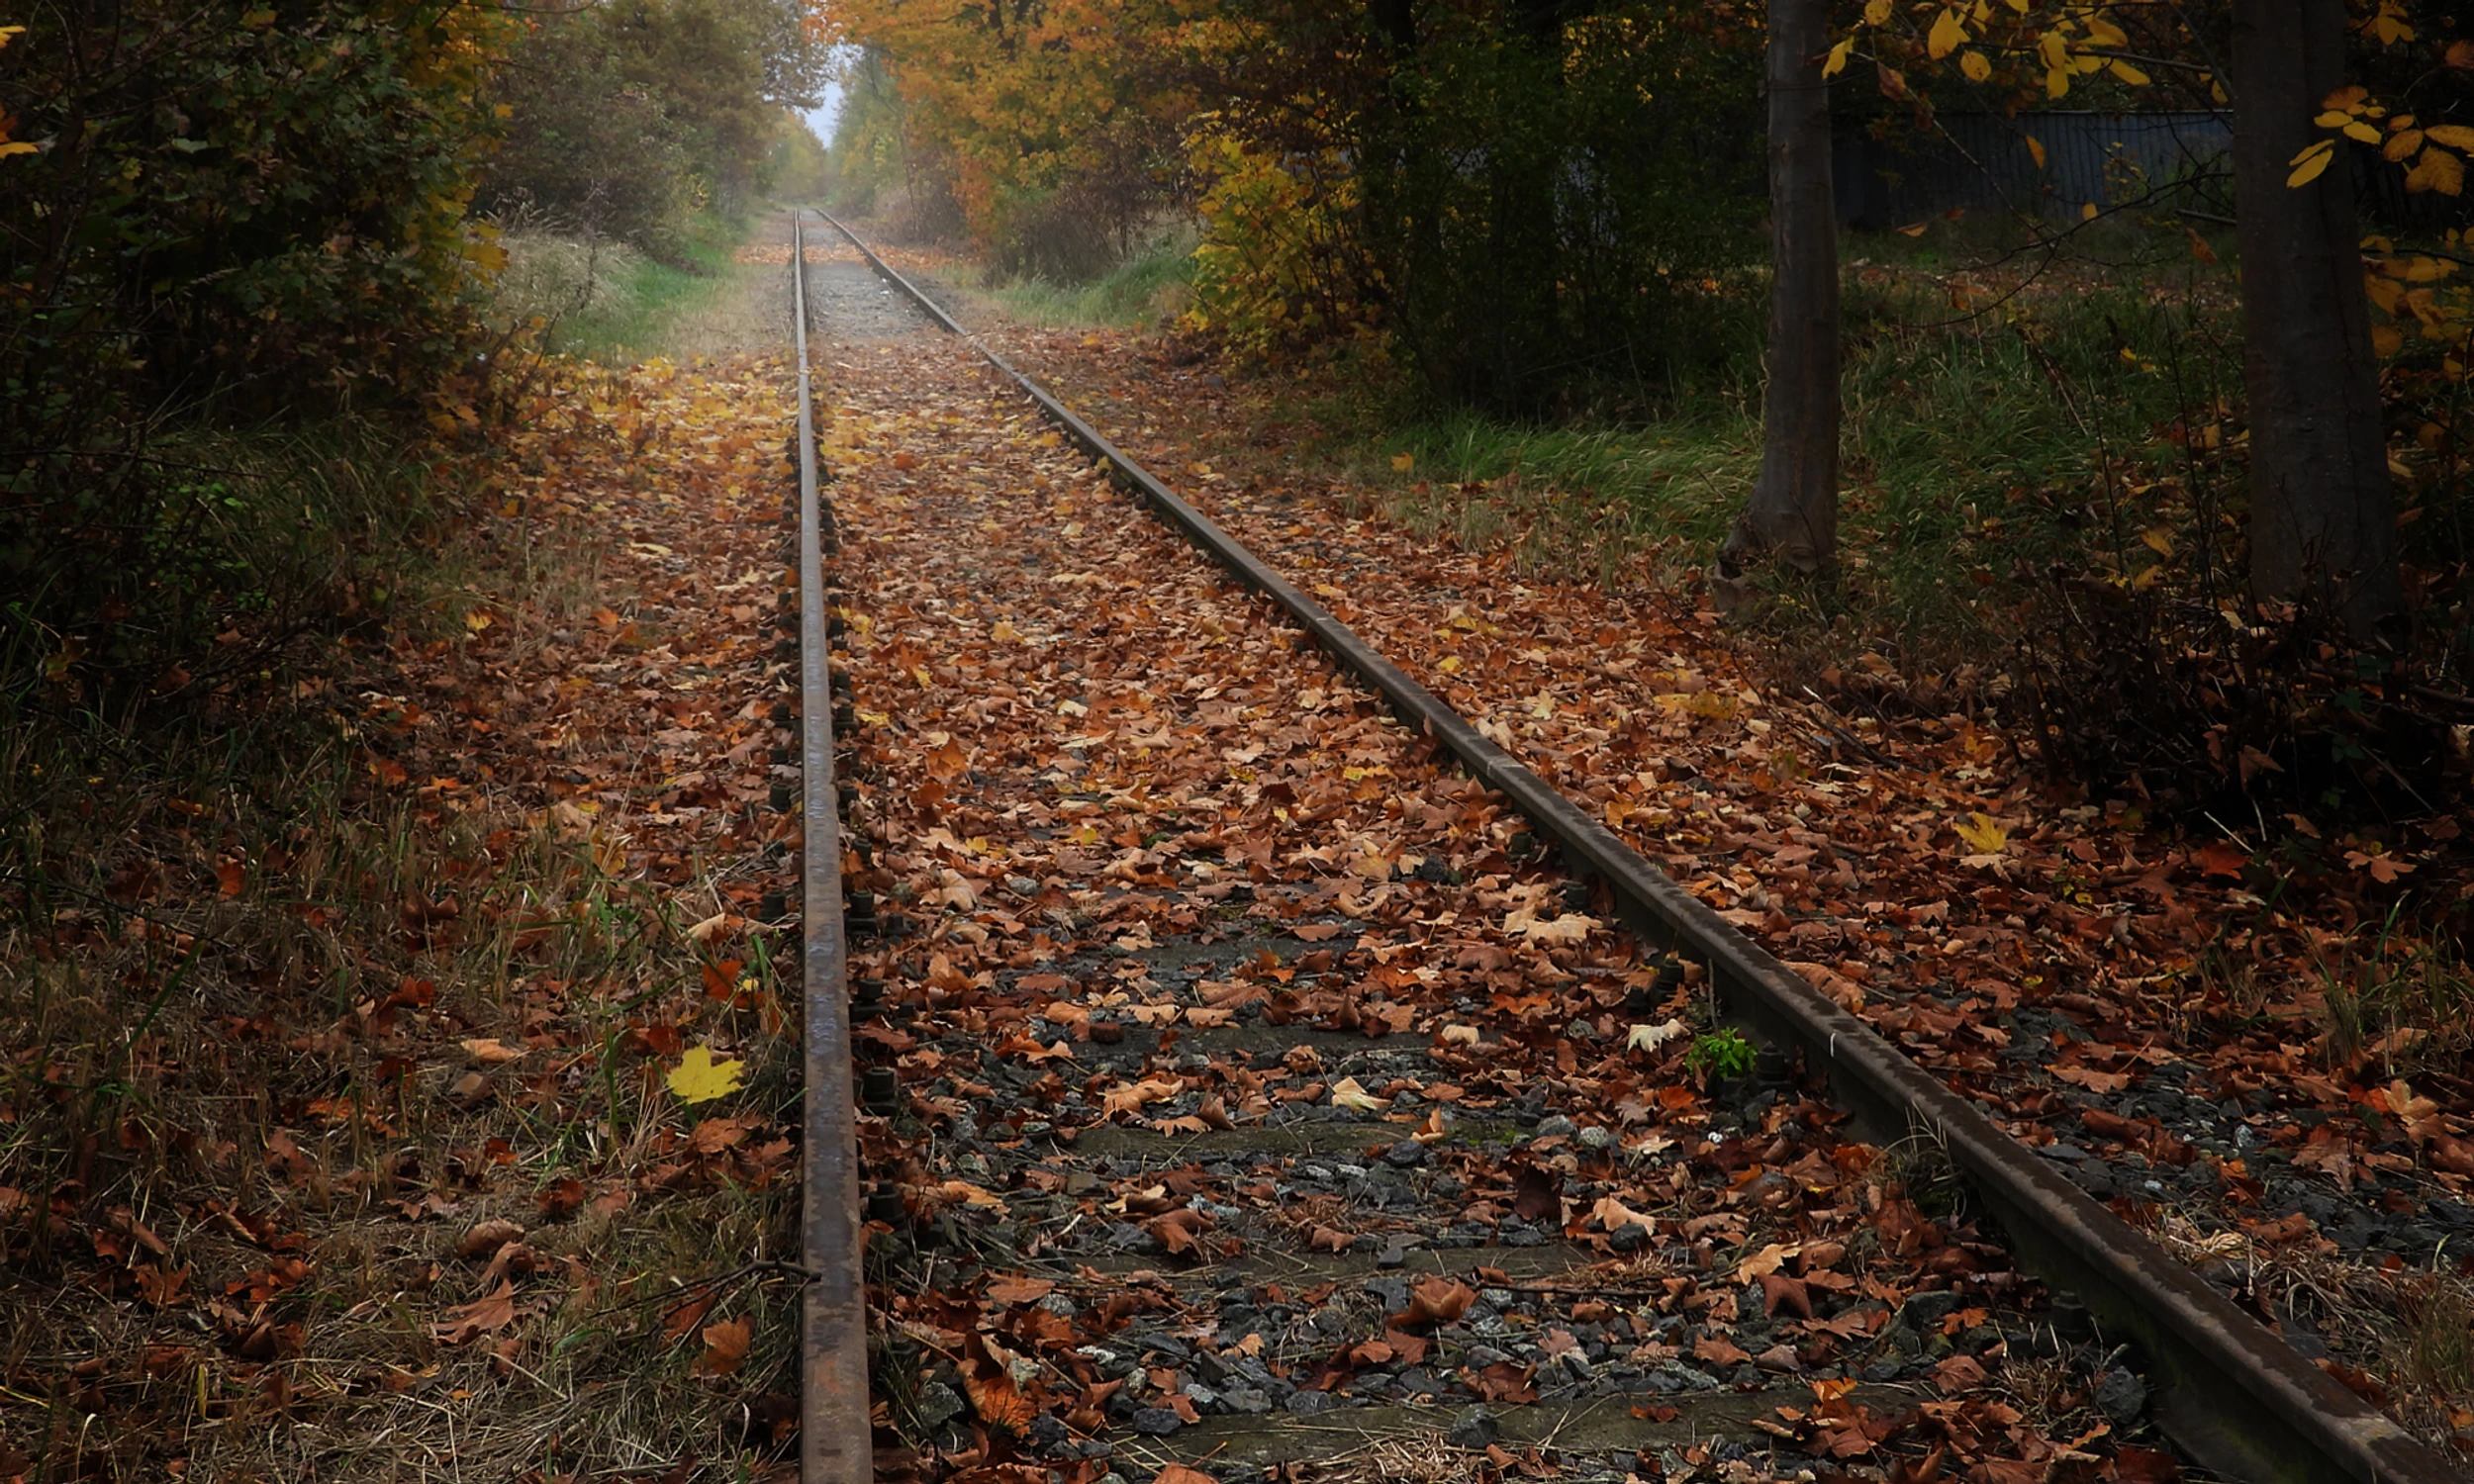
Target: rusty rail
x=2230 y=1393
x=835 y=1446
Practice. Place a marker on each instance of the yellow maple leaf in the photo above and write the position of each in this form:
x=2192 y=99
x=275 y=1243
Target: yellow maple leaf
x=1985 y=836
x=699 y=1078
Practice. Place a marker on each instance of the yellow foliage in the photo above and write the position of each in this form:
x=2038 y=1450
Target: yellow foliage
x=1280 y=264
x=701 y=1077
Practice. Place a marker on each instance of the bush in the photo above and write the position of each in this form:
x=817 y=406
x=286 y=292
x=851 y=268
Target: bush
x=235 y=213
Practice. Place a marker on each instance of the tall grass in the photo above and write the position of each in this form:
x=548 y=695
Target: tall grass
x=603 y=300
x=1152 y=284
x=1980 y=445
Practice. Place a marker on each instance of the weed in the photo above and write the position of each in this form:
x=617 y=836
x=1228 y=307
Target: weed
x=1721 y=1055
x=1919 y=1167
x=2408 y=1001
x=2440 y=1345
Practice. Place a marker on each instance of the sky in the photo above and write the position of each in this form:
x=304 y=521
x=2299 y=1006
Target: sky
x=821 y=116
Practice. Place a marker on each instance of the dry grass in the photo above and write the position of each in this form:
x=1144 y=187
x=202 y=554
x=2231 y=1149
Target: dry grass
x=281 y=1036
x=2414 y=1326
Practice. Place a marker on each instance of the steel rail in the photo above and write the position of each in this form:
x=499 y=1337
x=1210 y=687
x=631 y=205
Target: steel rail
x=835 y=1446
x=2230 y=1393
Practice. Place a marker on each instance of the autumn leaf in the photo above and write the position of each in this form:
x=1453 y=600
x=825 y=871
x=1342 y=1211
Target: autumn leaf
x=1975 y=66
x=725 y=1346
x=1959 y=1374
x=2223 y=858
x=699 y=1078
x=2311 y=162
x=1435 y=1300
x=1779 y=1291
x=1945 y=37
x=1767 y=1260
x=1572 y=927
x=963 y=1192
x=2437 y=170
x=1346 y=1094
x=1503 y=1382
x=1020 y=1290
x=1180 y=1231
x=1983 y=834
x=469 y=1322
x=1612 y=1214
x=1652 y=1037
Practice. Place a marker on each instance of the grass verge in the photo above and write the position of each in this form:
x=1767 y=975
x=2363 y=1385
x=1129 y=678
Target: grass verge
x=1153 y=284
x=1984 y=439
x=615 y=305
x=334 y=1008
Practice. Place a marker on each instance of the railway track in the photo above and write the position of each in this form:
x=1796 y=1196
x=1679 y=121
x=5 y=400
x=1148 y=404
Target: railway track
x=1264 y=1069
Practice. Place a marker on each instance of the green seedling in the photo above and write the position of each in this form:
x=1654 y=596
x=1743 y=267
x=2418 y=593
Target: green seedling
x=1720 y=1054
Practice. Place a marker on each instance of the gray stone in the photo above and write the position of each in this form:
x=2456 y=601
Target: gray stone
x=1474 y=1428
x=1409 y=1154
x=2122 y=1397
x=1394 y=1292
x=1681 y=1379
x=1596 y=1136
x=1158 y=1422
x=1556 y=1124
x=1631 y=1236
x=938 y=1405
x=1923 y=1311
x=1246 y=1398
x=1308 y=1403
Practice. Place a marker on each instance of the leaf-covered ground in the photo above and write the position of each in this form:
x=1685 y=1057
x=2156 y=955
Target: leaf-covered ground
x=343 y=1137
x=2276 y=1087
x=1264 y=1100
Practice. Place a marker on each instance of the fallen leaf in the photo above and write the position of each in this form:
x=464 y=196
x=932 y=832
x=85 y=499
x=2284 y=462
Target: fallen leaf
x=1346 y=1094
x=469 y=1322
x=1652 y=1037
x=699 y=1078
x=1435 y=1300
x=725 y=1346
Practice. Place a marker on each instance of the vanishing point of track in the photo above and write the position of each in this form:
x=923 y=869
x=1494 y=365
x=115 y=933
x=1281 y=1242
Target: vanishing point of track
x=2229 y=1394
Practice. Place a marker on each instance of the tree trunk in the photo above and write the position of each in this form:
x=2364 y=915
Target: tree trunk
x=1793 y=516
x=2323 y=523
